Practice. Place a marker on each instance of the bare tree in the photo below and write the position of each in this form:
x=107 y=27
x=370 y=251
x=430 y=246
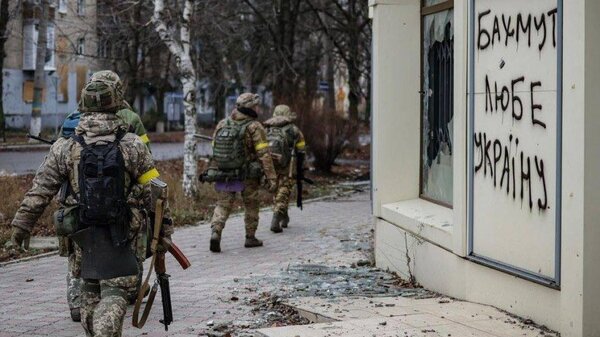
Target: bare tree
x=180 y=49
x=346 y=25
x=39 y=81
x=4 y=17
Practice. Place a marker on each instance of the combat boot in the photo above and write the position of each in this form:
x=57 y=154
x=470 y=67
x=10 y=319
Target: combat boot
x=76 y=315
x=215 y=241
x=252 y=241
x=276 y=223
x=285 y=219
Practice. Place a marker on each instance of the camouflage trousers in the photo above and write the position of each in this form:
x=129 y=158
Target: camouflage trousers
x=281 y=201
x=73 y=280
x=251 y=207
x=103 y=305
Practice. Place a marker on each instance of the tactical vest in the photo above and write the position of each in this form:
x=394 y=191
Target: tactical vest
x=104 y=214
x=281 y=144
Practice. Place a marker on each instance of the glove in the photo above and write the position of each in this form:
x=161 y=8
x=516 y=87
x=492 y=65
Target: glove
x=272 y=185
x=19 y=237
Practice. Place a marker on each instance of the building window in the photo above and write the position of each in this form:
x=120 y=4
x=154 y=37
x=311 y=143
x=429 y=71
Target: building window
x=437 y=70
x=62 y=6
x=81 y=46
x=104 y=49
x=80 y=7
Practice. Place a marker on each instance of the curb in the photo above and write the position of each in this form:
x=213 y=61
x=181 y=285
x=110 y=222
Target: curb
x=29 y=258
x=24 y=148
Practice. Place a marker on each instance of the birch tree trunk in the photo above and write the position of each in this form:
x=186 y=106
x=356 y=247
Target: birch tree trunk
x=180 y=49
x=35 y=125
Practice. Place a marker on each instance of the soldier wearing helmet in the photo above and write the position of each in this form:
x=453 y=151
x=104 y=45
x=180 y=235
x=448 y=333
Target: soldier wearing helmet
x=105 y=258
x=134 y=124
x=287 y=143
x=125 y=111
x=241 y=158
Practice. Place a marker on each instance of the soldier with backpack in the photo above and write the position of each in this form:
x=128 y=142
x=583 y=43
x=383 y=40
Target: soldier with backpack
x=286 y=142
x=240 y=158
x=103 y=210
x=134 y=125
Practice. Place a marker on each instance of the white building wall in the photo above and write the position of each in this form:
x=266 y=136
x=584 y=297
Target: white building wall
x=429 y=242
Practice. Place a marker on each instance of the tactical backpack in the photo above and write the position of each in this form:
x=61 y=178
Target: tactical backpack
x=281 y=144
x=229 y=150
x=102 y=199
x=70 y=124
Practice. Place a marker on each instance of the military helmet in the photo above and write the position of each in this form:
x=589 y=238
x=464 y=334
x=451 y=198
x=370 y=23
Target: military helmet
x=284 y=111
x=111 y=77
x=247 y=100
x=99 y=96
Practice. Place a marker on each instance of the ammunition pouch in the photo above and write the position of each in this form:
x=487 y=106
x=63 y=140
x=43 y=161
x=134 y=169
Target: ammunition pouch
x=66 y=220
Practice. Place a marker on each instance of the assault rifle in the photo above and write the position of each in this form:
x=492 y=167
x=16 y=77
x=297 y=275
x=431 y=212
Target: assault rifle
x=40 y=139
x=158 y=263
x=203 y=137
x=298 y=158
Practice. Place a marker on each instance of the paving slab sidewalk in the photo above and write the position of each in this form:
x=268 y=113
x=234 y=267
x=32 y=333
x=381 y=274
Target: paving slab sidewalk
x=404 y=317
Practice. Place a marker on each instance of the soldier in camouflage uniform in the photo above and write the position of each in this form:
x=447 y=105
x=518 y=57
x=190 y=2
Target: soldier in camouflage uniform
x=257 y=150
x=134 y=125
x=284 y=118
x=104 y=301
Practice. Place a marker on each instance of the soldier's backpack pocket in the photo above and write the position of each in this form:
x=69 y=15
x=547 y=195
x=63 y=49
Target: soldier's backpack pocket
x=66 y=220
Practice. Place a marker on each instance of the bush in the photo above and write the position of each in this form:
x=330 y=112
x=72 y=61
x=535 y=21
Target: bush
x=150 y=118
x=327 y=134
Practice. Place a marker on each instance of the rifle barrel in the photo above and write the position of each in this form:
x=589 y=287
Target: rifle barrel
x=41 y=139
x=203 y=137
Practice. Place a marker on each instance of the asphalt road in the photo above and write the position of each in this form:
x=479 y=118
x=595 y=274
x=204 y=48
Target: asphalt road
x=24 y=162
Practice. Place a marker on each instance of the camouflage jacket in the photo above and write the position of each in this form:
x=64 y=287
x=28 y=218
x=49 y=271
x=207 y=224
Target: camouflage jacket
x=134 y=121
x=60 y=165
x=257 y=146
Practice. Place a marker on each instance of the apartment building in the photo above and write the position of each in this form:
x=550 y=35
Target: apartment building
x=72 y=55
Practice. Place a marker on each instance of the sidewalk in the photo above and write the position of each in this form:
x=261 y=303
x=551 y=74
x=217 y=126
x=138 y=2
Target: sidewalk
x=319 y=265
x=401 y=316
x=218 y=288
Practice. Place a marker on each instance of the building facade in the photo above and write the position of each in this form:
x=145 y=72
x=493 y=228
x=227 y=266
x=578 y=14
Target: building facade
x=70 y=60
x=485 y=153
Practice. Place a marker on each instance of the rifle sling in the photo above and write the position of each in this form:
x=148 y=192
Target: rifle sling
x=139 y=323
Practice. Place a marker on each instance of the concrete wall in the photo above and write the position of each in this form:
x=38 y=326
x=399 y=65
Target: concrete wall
x=18 y=112
x=428 y=242
x=395 y=126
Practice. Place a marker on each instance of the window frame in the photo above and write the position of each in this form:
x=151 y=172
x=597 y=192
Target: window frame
x=81 y=46
x=81 y=7
x=428 y=10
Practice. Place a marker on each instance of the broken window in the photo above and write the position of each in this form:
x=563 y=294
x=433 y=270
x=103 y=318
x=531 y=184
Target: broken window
x=437 y=101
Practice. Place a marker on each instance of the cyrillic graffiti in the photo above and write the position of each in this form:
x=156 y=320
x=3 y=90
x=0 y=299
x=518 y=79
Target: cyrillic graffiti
x=516 y=170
